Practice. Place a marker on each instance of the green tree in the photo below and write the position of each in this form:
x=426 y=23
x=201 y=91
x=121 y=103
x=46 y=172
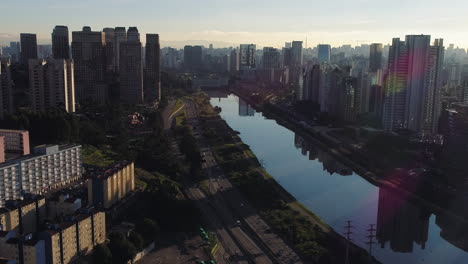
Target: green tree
x=148 y=228
x=137 y=240
x=101 y=255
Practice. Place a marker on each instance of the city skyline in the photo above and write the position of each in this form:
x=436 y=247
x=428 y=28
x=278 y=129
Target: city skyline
x=230 y=24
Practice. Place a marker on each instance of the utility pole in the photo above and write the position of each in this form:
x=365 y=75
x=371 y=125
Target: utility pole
x=348 y=239
x=371 y=241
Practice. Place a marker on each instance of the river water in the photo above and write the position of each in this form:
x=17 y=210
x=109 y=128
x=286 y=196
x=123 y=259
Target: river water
x=406 y=231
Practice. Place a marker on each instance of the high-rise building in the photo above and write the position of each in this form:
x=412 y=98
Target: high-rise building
x=312 y=84
x=60 y=43
x=413 y=83
x=6 y=88
x=152 y=69
x=192 y=57
x=109 y=34
x=375 y=57
x=28 y=47
x=89 y=62
x=120 y=37
x=15 y=51
x=52 y=84
x=271 y=58
x=247 y=56
x=131 y=68
x=297 y=56
x=234 y=60
x=324 y=53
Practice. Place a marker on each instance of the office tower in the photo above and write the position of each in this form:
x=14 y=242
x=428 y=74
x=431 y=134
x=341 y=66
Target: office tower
x=89 y=63
x=6 y=86
x=120 y=37
x=297 y=54
x=412 y=86
x=28 y=47
x=131 y=69
x=60 y=43
x=109 y=35
x=247 y=56
x=234 y=60
x=271 y=58
x=375 y=57
x=376 y=97
x=312 y=84
x=15 y=51
x=324 y=53
x=51 y=84
x=350 y=101
x=152 y=69
x=192 y=57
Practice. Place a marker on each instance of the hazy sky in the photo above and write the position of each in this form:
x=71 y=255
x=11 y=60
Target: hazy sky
x=266 y=23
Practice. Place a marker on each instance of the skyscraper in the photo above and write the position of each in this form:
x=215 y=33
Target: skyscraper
x=192 y=57
x=6 y=89
x=271 y=58
x=109 y=34
x=131 y=68
x=120 y=36
x=15 y=51
x=247 y=56
x=60 y=43
x=234 y=60
x=324 y=53
x=375 y=57
x=28 y=47
x=89 y=62
x=152 y=68
x=296 y=63
x=52 y=84
x=412 y=86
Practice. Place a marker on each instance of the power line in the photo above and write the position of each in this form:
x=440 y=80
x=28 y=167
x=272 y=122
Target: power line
x=371 y=241
x=348 y=234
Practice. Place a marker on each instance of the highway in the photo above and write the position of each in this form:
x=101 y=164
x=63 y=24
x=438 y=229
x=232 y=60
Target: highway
x=253 y=236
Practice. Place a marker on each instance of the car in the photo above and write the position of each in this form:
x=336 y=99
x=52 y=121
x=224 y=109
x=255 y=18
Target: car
x=238 y=223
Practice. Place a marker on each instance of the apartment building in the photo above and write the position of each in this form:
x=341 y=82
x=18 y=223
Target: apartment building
x=106 y=186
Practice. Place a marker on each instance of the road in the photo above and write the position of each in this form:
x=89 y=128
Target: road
x=252 y=231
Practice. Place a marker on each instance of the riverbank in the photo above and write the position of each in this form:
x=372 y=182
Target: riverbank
x=305 y=231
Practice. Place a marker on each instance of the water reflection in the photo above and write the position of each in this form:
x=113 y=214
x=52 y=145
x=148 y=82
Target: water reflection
x=401 y=222
x=330 y=164
x=432 y=234
x=245 y=109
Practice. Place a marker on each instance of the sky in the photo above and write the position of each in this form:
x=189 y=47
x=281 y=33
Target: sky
x=230 y=22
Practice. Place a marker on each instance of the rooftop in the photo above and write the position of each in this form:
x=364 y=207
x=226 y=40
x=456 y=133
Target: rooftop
x=97 y=172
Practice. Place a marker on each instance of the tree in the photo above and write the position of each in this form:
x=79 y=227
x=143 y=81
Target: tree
x=136 y=239
x=122 y=250
x=101 y=255
x=148 y=228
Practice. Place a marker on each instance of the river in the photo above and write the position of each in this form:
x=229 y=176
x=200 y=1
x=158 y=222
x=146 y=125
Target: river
x=406 y=232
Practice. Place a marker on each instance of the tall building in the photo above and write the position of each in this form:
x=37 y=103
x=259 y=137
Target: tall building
x=109 y=35
x=324 y=53
x=271 y=58
x=15 y=51
x=234 y=60
x=52 y=84
x=375 y=57
x=312 y=84
x=192 y=57
x=16 y=141
x=413 y=83
x=28 y=47
x=89 y=62
x=247 y=56
x=152 y=68
x=120 y=37
x=131 y=68
x=6 y=88
x=60 y=43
